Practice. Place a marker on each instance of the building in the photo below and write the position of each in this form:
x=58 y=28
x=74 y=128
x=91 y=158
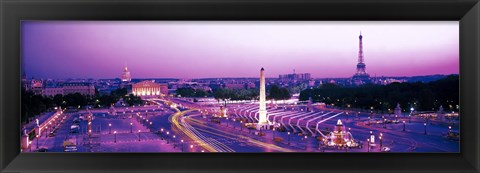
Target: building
x=149 y=88
x=295 y=77
x=52 y=91
x=83 y=88
x=126 y=77
x=361 y=76
x=36 y=86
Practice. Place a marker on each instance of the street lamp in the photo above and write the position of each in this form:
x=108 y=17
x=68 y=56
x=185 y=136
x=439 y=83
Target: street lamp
x=381 y=141
x=449 y=129
x=131 y=127
x=37 y=141
x=241 y=125
x=174 y=144
x=191 y=148
x=368 y=145
x=425 y=125
x=139 y=135
x=150 y=125
x=168 y=141
x=115 y=138
x=109 y=128
x=273 y=131
x=306 y=142
x=234 y=123
x=288 y=138
x=182 y=144
x=161 y=133
x=403 y=125
x=384 y=123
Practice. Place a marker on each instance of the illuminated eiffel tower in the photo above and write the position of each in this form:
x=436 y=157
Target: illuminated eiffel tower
x=361 y=74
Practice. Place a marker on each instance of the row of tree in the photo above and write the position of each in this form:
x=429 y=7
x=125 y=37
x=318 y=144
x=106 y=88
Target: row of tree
x=274 y=92
x=421 y=96
x=34 y=104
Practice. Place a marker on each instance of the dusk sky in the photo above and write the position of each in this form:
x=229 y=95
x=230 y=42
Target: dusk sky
x=187 y=49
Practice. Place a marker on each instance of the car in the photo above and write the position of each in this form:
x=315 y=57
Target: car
x=385 y=149
x=42 y=150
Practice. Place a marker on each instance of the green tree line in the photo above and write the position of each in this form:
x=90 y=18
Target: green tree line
x=421 y=96
x=33 y=104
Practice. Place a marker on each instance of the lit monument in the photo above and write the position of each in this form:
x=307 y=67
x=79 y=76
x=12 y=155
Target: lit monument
x=361 y=76
x=126 y=77
x=262 y=112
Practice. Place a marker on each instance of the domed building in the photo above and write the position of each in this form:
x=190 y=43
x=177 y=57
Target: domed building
x=126 y=77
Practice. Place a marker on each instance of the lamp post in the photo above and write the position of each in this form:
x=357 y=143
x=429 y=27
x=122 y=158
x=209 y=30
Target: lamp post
x=131 y=127
x=182 y=144
x=234 y=123
x=396 y=119
x=273 y=131
x=161 y=133
x=191 y=148
x=174 y=143
x=139 y=135
x=150 y=125
x=449 y=129
x=109 y=128
x=425 y=125
x=306 y=142
x=369 y=120
x=115 y=138
x=37 y=140
x=30 y=145
x=168 y=141
x=368 y=145
x=288 y=138
x=227 y=121
x=381 y=141
x=403 y=125
x=384 y=123
x=241 y=125
x=409 y=118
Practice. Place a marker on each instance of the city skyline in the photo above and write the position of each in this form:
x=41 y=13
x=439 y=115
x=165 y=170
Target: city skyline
x=82 y=49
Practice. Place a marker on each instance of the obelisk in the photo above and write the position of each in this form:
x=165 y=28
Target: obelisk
x=262 y=112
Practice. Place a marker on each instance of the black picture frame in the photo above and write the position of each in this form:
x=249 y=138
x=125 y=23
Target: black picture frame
x=465 y=11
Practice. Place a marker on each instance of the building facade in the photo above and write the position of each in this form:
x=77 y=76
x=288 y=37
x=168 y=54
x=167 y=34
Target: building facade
x=79 y=87
x=149 y=88
x=126 y=77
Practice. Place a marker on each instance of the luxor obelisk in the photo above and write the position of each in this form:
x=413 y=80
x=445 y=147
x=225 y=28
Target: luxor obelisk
x=262 y=112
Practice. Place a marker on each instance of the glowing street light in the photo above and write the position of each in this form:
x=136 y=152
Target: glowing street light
x=306 y=142
x=241 y=125
x=37 y=140
x=425 y=125
x=273 y=131
x=109 y=128
x=168 y=141
x=368 y=145
x=449 y=129
x=182 y=144
x=131 y=127
x=288 y=138
x=115 y=138
x=403 y=125
x=139 y=135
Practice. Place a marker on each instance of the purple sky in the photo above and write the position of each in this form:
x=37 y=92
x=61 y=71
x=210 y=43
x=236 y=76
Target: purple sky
x=161 y=49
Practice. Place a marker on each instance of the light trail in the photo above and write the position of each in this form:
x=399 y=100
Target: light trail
x=237 y=136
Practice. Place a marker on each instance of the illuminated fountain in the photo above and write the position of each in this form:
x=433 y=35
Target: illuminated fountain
x=340 y=137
